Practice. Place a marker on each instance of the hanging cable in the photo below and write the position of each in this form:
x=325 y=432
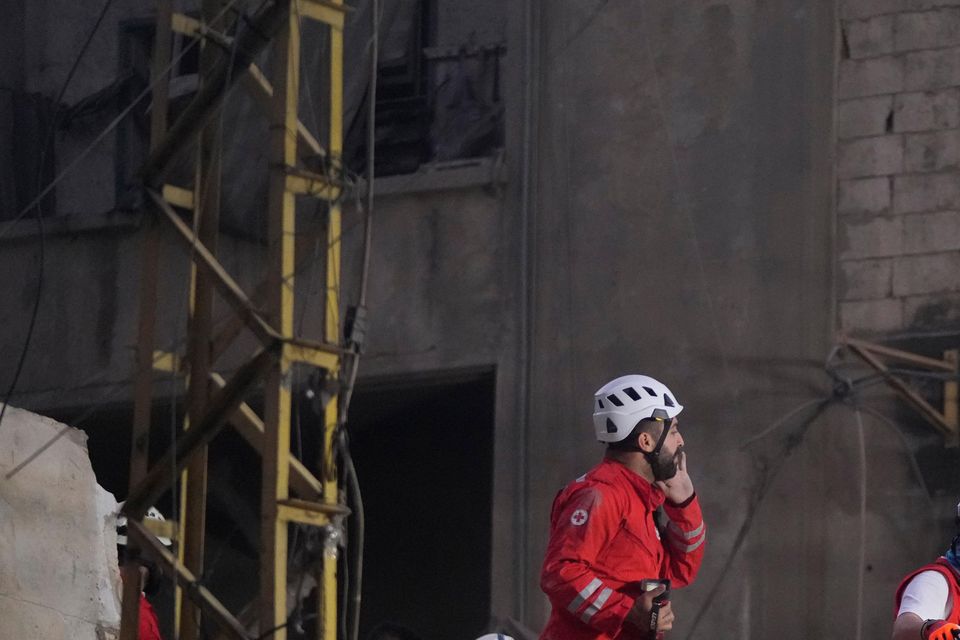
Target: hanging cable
x=48 y=141
x=769 y=473
x=862 y=565
x=359 y=520
x=911 y=457
x=356 y=330
x=843 y=391
x=368 y=211
x=780 y=422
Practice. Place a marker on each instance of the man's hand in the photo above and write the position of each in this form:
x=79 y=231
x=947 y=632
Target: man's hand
x=939 y=630
x=639 y=615
x=680 y=487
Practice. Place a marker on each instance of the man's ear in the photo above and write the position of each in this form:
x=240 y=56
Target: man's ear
x=646 y=442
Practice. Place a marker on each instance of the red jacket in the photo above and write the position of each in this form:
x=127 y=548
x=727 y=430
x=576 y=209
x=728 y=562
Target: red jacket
x=149 y=629
x=603 y=542
x=943 y=567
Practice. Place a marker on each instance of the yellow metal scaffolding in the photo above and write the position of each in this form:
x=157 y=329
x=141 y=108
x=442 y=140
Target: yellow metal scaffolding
x=268 y=314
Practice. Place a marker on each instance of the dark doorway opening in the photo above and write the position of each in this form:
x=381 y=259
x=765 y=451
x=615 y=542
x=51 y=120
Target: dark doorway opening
x=424 y=457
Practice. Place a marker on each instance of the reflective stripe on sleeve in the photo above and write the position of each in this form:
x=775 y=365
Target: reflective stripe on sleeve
x=583 y=595
x=596 y=605
x=687 y=548
x=687 y=535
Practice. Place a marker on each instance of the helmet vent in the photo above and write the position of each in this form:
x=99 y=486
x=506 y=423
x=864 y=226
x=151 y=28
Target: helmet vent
x=632 y=393
x=668 y=401
x=600 y=403
x=652 y=393
x=611 y=427
x=615 y=400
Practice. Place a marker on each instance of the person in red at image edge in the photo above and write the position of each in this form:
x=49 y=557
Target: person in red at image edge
x=147 y=574
x=604 y=539
x=928 y=600
x=149 y=630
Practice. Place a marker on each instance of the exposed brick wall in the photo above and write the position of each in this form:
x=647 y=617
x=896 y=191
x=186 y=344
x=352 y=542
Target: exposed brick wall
x=898 y=165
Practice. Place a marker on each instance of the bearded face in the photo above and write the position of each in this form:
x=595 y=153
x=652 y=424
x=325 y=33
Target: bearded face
x=665 y=464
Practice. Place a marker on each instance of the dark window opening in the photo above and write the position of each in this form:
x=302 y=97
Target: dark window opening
x=434 y=104
x=25 y=169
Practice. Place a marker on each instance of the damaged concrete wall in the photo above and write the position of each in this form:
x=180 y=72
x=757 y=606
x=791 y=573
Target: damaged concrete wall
x=684 y=227
x=58 y=558
x=681 y=225
x=683 y=217
x=898 y=235
x=898 y=153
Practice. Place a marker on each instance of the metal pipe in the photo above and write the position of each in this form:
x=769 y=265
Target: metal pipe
x=359 y=520
x=527 y=295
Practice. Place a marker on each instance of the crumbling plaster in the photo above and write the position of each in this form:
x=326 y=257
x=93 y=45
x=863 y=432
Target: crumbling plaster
x=58 y=558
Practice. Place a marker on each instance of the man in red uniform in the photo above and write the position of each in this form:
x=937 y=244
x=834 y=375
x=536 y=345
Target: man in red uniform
x=928 y=600
x=604 y=540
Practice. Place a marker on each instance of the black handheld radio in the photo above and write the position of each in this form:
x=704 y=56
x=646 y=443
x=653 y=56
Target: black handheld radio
x=658 y=601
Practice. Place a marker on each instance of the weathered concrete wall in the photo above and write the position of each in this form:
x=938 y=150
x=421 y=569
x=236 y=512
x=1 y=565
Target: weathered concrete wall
x=478 y=22
x=83 y=346
x=683 y=228
x=58 y=557
x=898 y=152
x=898 y=236
x=681 y=223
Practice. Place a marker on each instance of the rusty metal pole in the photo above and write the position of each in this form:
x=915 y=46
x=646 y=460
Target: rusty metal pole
x=206 y=226
x=285 y=76
x=143 y=384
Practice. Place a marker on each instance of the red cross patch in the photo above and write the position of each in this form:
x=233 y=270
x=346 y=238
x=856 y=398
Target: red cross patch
x=579 y=517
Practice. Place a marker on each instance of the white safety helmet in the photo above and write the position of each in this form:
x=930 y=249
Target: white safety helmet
x=152 y=514
x=621 y=403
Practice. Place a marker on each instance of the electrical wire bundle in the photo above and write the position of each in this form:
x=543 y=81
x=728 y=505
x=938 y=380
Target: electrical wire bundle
x=845 y=392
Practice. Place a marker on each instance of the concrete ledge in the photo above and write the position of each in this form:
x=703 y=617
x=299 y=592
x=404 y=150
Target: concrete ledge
x=441 y=176
x=69 y=224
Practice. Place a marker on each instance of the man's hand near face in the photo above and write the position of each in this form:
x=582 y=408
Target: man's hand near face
x=679 y=488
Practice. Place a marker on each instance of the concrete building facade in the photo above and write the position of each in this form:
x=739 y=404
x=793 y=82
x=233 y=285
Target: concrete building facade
x=706 y=192
x=896 y=166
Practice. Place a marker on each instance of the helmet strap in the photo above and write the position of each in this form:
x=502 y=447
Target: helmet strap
x=652 y=455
